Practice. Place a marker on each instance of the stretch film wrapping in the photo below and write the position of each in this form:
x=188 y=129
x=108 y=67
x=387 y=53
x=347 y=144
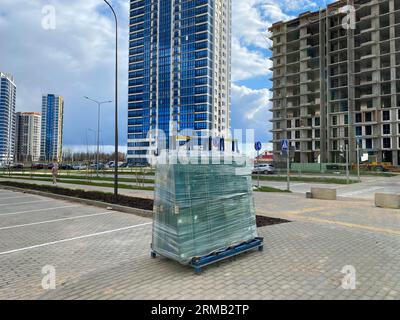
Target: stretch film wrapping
x=203 y=208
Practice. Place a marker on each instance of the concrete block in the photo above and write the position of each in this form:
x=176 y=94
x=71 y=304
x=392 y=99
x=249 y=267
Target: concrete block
x=387 y=200
x=324 y=193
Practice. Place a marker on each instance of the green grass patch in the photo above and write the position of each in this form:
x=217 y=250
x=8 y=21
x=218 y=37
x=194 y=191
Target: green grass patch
x=89 y=172
x=270 y=189
x=78 y=177
x=306 y=179
x=85 y=183
x=134 y=202
x=375 y=174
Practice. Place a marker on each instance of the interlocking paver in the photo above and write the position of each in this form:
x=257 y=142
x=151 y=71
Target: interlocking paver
x=302 y=259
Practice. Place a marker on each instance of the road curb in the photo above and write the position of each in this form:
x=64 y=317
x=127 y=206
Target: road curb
x=108 y=206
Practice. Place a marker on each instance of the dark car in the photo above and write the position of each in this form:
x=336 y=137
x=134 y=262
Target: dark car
x=66 y=167
x=17 y=166
x=38 y=166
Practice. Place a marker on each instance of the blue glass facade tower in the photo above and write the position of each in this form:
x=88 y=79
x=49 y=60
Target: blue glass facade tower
x=7 y=118
x=52 y=128
x=179 y=71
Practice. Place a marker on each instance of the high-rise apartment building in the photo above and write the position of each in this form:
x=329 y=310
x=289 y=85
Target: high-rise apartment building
x=8 y=91
x=179 y=71
x=52 y=128
x=336 y=82
x=28 y=127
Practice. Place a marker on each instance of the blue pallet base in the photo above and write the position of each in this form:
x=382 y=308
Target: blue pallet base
x=200 y=262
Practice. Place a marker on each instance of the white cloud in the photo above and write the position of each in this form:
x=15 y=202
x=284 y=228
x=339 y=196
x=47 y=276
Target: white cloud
x=247 y=63
x=75 y=59
x=250 y=109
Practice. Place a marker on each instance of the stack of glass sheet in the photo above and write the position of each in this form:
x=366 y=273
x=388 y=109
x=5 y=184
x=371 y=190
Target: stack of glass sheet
x=202 y=208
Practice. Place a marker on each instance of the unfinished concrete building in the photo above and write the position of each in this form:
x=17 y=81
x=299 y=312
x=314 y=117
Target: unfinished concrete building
x=336 y=82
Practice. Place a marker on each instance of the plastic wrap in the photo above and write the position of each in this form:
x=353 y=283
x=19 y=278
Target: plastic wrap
x=202 y=208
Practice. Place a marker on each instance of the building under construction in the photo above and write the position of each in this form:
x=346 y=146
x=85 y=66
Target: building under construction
x=336 y=82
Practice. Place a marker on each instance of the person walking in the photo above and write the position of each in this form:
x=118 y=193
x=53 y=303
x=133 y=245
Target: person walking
x=54 y=172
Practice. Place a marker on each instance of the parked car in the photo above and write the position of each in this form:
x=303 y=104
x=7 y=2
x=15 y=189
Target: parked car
x=94 y=166
x=264 y=168
x=111 y=164
x=17 y=166
x=39 y=166
x=65 y=166
x=79 y=167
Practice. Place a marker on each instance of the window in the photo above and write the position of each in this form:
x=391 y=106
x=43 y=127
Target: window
x=358 y=131
x=386 y=129
x=317 y=122
x=387 y=143
x=386 y=115
x=297 y=135
x=358 y=118
x=317 y=133
x=368 y=143
x=368 y=130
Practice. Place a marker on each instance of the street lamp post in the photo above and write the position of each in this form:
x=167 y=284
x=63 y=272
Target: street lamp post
x=116 y=102
x=98 y=130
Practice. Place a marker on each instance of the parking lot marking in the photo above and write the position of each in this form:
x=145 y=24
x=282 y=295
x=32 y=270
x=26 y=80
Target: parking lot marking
x=55 y=220
x=367 y=190
x=7 y=192
x=75 y=238
x=351 y=225
x=38 y=210
x=17 y=197
x=29 y=202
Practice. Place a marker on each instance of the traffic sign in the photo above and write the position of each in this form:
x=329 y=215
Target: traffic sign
x=216 y=142
x=258 y=146
x=284 y=145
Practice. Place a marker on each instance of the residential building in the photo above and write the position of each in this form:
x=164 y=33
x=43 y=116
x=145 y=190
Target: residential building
x=179 y=72
x=28 y=127
x=336 y=82
x=8 y=91
x=52 y=128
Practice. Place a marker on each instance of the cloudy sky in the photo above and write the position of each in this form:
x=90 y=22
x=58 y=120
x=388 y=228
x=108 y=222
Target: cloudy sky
x=76 y=59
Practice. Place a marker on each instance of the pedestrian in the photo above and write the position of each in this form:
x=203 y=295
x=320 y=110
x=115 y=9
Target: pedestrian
x=54 y=172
